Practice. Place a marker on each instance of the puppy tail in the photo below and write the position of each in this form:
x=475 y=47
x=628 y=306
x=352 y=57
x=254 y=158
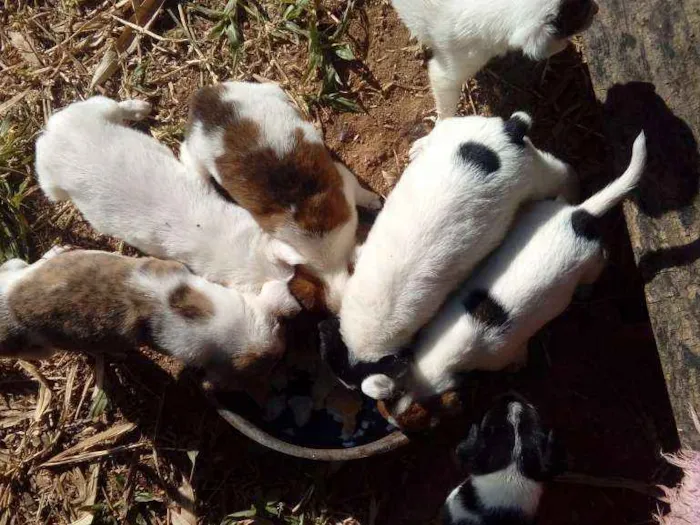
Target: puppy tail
x=605 y=199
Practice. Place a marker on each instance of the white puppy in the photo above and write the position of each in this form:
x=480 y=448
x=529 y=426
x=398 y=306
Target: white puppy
x=528 y=281
x=452 y=206
x=271 y=161
x=465 y=34
x=97 y=301
x=130 y=186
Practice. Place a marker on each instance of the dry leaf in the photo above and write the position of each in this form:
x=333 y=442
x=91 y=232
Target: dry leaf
x=22 y=43
x=106 y=435
x=44 y=399
x=181 y=515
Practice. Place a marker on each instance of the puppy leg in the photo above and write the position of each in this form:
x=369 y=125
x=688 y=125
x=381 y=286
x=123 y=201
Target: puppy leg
x=134 y=110
x=364 y=198
x=594 y=269
x=117 y=112
x=554 y=177
x=448 y=71
x=446 y=87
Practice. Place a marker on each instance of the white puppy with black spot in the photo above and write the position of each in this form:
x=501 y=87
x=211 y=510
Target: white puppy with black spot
x=96 y=301
x=451 y=208
x=528 y=281
x=509 y=455
x=257 y=146
x=465 y=34
x=127 y=184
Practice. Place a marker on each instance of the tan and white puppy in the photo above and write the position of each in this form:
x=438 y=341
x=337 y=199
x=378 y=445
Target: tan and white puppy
x=257 y=146
x=127 y=184
x=91 y=301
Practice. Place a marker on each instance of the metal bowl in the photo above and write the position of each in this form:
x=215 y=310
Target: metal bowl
x=386 y=444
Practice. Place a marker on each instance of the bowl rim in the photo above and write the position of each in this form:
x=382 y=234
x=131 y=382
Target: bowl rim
x=383 y=445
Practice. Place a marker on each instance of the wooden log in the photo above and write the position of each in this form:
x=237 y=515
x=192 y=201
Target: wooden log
x=644 y=60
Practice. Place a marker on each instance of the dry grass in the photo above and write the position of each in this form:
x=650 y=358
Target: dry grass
x=88 y=442
x=68 y=454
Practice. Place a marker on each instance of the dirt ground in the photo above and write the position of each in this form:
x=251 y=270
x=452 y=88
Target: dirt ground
x=159 y=454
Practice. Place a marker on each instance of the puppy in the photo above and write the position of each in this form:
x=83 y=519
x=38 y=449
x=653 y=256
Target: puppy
x=97 y=301
x=509 y=457
x=128 y=185
x=452 y=206
x=465 y=35
x=267 y=158
x=528 y=281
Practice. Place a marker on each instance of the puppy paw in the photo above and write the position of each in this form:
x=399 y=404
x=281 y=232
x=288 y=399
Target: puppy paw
x=135 y=109
x=374 y=203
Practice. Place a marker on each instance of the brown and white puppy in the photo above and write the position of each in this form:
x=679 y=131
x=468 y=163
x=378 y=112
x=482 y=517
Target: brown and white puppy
x=83 y=300
x=260 y=150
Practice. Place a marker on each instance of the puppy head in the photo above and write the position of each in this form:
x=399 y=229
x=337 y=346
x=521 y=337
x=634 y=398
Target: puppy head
x=550 y=34
x=352 y=373
x=416 y=415
x=573 y=17
x=512 y=433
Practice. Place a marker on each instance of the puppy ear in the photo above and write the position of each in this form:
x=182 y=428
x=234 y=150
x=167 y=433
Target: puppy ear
x=554 y=461
x=517 y=127
x=282 y=251
x=379 y=386
x=308 y=289
x=467 y=449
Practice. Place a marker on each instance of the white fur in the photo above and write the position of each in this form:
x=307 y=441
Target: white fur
x=533 y=276
x=442 y=218
x=278 y=120
x=128 y=185
x=241 y=323
x=465 y=34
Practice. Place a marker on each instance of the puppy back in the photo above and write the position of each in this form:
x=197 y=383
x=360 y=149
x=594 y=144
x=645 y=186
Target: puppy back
x=279 y=174
x=79 y=300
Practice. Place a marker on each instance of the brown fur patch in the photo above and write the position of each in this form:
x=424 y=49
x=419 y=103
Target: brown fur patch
x=78 y=300
x=308 y=289
x=414 y=419
x=268 y=186
x=190 y=303
x=208 y=107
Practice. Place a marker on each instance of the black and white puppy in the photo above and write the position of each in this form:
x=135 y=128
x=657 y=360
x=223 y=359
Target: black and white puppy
x=465 y=35
x=509 y=456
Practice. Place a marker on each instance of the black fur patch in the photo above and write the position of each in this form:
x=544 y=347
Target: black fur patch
x=516 y=129
x=586 y=225
x=480 y=156
x=485 y=308
x=574 y=16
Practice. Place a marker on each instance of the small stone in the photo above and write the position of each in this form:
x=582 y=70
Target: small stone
x=301 y=407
